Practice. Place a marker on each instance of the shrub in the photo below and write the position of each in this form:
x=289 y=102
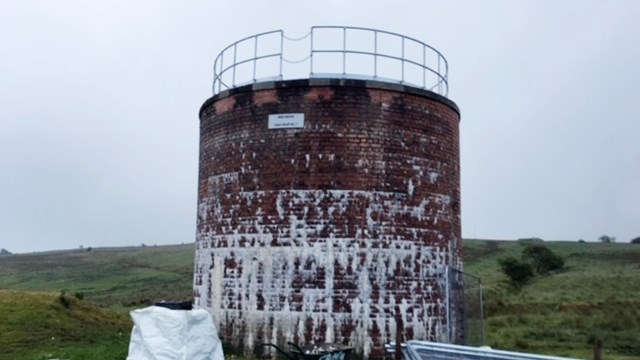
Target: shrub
x=636 y=240
x=519 y=272
x=607 y=239
x=542 y=259
x=4 y=251
x=531 y=239
x=63 y=299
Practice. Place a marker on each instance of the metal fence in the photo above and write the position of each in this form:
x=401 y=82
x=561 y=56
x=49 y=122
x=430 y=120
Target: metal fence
x=331 y=52
x=464 y=308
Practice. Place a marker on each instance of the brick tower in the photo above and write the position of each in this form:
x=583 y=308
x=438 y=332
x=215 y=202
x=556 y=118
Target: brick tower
x=327 y=206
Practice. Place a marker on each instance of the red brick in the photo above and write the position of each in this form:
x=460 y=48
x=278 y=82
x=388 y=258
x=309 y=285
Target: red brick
x=318 y=234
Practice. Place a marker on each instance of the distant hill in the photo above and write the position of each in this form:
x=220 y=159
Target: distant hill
x=596 y=294
x=124 y=277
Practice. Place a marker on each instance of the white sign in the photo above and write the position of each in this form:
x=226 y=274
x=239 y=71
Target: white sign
x=286 y=121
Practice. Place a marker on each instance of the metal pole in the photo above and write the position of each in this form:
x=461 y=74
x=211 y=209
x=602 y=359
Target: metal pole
x=481 y=317
x=215 y=77
x=448 y=292
x=402 y=69
x=255 y=57
x=399 y=326
x=235 y=51
x=424 y=66
x=281 y=51
x=446 y=78
x=440 y=79
x=220 y=76
x=311 y=55
x=375 y=54
x=344 y=51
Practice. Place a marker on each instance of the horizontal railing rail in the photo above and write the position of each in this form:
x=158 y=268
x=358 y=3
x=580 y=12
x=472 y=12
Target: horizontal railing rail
x=425 y=350
x=332 y=51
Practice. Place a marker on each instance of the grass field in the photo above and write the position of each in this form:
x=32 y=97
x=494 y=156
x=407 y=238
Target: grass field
x=38 y=326
x=596 y=295
x=124 y=277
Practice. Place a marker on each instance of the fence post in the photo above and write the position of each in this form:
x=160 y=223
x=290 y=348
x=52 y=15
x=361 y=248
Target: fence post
x=447 y=274
x=399 y=326
x=597 y=349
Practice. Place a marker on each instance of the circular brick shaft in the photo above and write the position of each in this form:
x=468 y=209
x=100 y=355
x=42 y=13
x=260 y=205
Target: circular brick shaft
x=326 y=232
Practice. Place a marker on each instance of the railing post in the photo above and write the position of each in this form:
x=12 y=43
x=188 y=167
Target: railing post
x=311 y=54
x=439 y=81
x=221 y=68
x=235 y=52
x=344 y=51
x=402 y=61
x=424 y=66
x=446 y=78
x=215 y=76
x=255 y=57
x=281 y=51
x=375 y=54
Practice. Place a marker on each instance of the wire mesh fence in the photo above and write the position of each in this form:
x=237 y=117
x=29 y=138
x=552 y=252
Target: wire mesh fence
x=464 y=298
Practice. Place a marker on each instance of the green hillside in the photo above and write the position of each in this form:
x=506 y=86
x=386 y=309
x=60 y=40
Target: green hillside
x=114 y=277
x=36 y=326
x=596 y=294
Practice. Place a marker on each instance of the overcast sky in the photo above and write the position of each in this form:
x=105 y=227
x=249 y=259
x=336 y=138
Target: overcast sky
x=99 y=109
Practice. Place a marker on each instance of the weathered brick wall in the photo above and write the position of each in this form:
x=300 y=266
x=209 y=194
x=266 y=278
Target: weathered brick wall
x=324 y=233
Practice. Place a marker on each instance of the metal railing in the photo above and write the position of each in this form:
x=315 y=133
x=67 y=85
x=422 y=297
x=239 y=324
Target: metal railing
x=425 y=350
x=331 y=52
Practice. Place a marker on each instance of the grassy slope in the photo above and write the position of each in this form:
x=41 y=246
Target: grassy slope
x=598 y=294
x=126 y=277
x=37 y=326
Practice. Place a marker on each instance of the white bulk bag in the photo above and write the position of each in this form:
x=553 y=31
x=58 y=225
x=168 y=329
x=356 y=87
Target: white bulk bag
x=163 y=334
